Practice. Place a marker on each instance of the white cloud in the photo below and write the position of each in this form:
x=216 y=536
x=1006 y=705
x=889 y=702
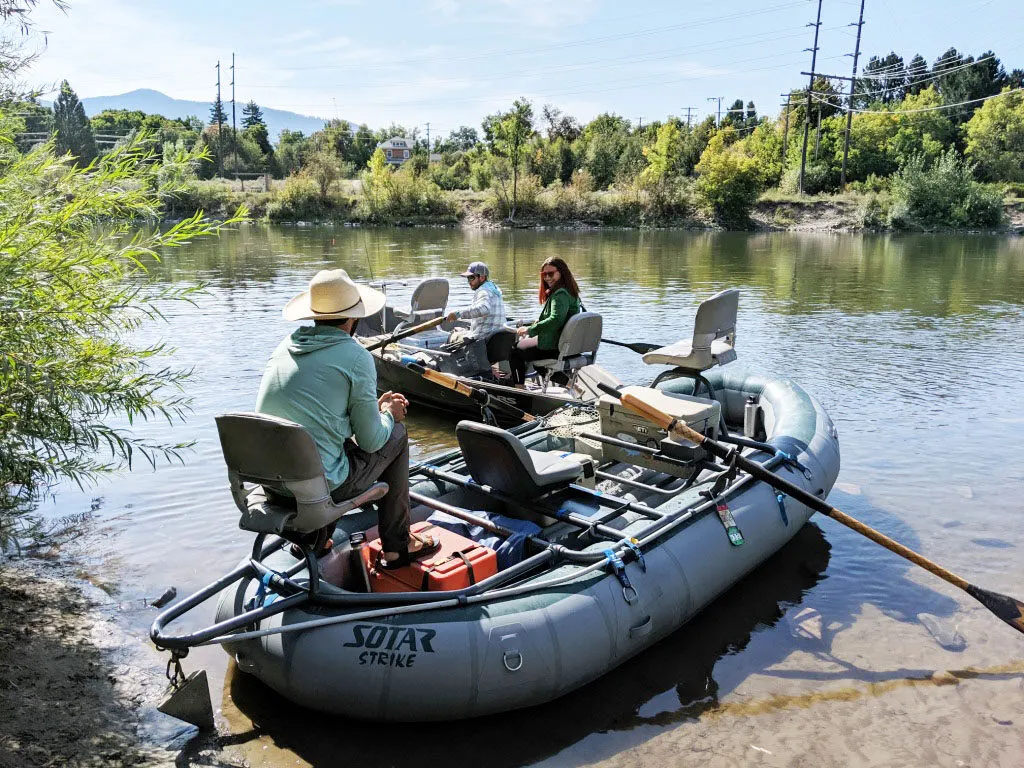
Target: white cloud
x=536 y=13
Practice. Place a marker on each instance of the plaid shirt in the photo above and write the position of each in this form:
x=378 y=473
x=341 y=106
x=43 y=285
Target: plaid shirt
x=486 y=313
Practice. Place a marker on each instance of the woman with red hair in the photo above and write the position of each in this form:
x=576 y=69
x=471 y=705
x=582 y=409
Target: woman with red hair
x=560 y=295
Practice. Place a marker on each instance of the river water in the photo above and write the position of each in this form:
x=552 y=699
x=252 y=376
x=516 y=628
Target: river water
x=834 y=653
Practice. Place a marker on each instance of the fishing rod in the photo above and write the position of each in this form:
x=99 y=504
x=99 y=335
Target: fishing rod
x=1006 y=608
x=480 y=396
x=399 y=335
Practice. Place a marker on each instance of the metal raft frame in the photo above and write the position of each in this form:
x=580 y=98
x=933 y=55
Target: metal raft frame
x=291 y=594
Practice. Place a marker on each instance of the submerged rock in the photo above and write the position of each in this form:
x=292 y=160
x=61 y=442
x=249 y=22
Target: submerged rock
x=944 y=634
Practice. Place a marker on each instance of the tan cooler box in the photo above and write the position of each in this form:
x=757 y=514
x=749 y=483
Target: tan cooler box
x=698 y=413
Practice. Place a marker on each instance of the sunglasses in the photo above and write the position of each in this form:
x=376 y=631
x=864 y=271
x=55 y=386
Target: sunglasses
x=549 y=273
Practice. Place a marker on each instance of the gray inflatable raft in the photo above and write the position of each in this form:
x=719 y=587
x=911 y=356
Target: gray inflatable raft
x=629 y=549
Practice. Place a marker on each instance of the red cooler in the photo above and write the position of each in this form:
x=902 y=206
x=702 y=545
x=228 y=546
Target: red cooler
x=459 y=563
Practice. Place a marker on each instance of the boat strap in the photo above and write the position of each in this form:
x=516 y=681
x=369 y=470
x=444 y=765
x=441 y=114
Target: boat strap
x=264 y=593
x=781 y=498
x=619 y=569
x=791 y=460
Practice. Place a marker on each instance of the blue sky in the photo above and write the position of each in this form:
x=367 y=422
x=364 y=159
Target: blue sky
x=451 y=62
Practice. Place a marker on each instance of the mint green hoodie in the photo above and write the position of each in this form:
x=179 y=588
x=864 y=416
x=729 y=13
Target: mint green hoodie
x=322 y=378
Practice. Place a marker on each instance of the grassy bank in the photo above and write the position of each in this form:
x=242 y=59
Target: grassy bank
x=566 y=207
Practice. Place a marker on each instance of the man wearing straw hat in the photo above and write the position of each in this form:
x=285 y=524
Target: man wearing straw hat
x=322 y=378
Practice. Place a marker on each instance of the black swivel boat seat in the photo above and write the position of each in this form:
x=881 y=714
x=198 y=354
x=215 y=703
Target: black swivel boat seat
x=280 y=458
x=499 y=459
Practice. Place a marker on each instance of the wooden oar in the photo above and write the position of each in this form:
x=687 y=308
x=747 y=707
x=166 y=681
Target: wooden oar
x=398 y=336
x=476 y=394
x=1007 y=608
x=640 y=347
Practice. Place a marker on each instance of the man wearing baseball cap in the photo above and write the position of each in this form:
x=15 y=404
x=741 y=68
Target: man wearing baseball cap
x=322 y=378
x=487 y=312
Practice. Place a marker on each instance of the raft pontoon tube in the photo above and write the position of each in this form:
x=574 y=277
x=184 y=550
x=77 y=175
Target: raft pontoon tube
x=623 y=557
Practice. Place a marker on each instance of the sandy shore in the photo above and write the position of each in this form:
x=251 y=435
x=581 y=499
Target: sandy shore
x=75 y=688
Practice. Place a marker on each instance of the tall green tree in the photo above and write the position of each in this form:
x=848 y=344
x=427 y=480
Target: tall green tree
x=917 y=73
x=511 y=131
x=734 y=116
x=884 y=79
x=217 y=114
x=252 y=115
x=74 y=134
x=995 y=138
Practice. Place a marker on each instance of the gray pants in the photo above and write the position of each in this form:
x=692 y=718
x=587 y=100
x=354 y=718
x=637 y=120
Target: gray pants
x=391 y=465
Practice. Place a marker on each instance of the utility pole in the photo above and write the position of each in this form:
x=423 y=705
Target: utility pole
x=234 y=128
x=810 y=91
x=220 y=138
x=640 y=124
x=849 y=107
x=428 y=141
x=719 y=100
x=688 y=110
x=785 y=130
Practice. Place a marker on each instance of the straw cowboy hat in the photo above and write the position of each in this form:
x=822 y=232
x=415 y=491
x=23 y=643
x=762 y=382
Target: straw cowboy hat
x=333 y=296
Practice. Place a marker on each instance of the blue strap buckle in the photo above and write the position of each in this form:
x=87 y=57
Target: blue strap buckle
x=791 y=460
x=619 y=569
x=634 y=547
x=264 y=595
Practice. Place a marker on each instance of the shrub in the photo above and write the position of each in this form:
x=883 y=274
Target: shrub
x=729 y=181
x=874 y=212
x=391 y=194
x=74 y=294
x=818 y=177
x=943 y=195
x=299 y=200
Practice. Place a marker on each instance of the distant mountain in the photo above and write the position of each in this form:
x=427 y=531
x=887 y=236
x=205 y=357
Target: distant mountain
x=155 y=103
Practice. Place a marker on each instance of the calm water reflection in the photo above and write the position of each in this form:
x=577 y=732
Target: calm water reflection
x=912 y=344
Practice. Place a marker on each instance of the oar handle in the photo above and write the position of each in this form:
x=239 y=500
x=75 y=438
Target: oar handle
x=406 y=333
x=475 y=393
x=1007 y=608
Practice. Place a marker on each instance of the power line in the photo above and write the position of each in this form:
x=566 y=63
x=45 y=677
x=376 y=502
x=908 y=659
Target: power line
x=601 y=63
x=563 y=45
x=922 y=109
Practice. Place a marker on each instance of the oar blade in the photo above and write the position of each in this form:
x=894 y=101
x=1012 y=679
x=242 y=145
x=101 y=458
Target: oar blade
x=1007 y=608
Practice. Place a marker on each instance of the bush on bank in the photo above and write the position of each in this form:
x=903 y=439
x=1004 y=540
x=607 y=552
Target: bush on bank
x=942 y=194
x=71 y=300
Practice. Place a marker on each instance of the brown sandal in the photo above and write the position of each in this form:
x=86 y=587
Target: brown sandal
x=404 y=558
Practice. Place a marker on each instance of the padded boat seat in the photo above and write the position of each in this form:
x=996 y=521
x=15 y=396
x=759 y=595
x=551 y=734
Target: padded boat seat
x=714 y=337
x=577 y=347
x=499 y=459
x=683 y=355
x=280 y=458
x=428 y=302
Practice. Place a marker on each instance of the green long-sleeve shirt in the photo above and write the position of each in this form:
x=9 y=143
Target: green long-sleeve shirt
x=559 y=307
x=321 y=378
